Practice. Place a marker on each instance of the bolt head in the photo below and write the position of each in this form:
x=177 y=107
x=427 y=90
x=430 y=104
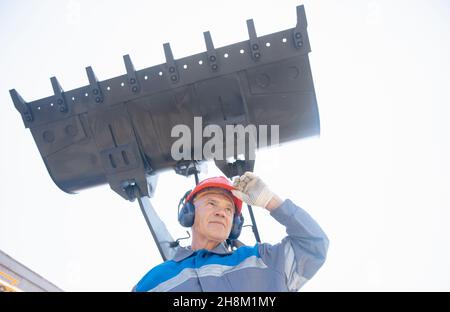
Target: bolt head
x=172 y=69
x=173 y=78
x=132 y=81
x=212 y=58
x=98 y=99
x=48 y=136
x=255 y=47
x=257 y=55
x=60 y=101
x=95 y=91
x=214 y=67
x=134 y=89
x=298 y=35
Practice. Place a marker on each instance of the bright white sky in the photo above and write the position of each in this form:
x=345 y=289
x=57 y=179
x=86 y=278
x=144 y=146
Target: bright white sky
x=377 y=180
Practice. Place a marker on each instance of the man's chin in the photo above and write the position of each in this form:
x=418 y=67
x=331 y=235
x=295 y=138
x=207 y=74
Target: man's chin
x=218 y=237
x=218 y=232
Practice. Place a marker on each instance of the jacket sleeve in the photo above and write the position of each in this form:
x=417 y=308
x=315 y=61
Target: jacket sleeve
x=302 y=252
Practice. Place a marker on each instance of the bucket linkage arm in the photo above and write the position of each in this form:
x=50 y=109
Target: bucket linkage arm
x=164 y=241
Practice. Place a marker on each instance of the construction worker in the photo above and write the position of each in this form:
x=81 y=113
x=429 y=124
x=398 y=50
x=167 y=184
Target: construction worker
x=208 y=265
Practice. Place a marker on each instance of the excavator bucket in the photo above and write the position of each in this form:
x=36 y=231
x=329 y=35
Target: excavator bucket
x=118 y=130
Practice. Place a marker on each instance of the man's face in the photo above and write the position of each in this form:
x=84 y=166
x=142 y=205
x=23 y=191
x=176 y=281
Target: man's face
x=214 y=211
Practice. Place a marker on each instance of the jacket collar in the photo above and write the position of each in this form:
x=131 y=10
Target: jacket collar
x=185 y=252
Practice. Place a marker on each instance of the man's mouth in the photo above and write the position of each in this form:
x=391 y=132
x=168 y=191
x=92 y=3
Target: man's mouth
x=217 y=222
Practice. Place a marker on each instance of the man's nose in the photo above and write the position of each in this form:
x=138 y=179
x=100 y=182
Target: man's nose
x=220 y=212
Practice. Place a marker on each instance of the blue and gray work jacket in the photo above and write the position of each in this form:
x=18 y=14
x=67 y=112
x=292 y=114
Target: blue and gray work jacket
x=285 y=266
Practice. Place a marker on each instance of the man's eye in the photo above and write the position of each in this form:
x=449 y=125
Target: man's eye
x=211 y=203
x=229 y=210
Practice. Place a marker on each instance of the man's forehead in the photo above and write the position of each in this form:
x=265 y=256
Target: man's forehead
x=215 y=194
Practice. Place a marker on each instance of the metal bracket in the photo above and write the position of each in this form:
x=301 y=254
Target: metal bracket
x=254 y=42
x=187 y=167
x=171 y=65
x=59 y=95
x=95 y=88
x=211 y=54
x=236 y=168
x=120 y=158
x=300 y=27
x=22 y=106
x=131 y=74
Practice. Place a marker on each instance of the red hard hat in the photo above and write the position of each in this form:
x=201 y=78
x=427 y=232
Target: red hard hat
x=219 y=182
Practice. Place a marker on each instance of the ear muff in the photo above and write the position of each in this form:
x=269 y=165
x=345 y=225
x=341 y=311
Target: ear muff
x=187 y=213
x=186 y=216
x=238 y=222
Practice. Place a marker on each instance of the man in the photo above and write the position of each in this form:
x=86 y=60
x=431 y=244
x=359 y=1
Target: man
x=207 y=265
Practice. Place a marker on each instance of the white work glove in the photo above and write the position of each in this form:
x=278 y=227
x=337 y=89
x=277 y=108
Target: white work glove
x=252 y=190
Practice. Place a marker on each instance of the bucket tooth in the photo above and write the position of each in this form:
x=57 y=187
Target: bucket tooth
x=96 y=91
x=59 y=95
x=211 y=54
x=132 y=80
x=22 y=106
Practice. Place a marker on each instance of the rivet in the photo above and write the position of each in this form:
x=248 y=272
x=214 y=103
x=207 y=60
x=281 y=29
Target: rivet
x=48 y=136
